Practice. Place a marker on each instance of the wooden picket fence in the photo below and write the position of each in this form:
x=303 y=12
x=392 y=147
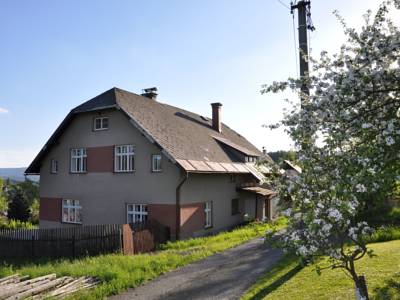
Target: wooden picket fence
x=80 y=241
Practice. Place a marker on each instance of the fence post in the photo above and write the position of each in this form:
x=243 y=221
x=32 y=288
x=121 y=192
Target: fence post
x=73 y=245
x=33 y=246
x=127 y=237
x=121 y=239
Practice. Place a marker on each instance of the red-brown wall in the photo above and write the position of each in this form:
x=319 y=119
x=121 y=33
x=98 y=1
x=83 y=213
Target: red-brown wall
x=100 y=159
x=163 y=213
x=50 y=209
x=192 y=218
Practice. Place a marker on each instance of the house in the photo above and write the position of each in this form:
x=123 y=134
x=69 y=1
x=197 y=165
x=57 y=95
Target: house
x=291 y=169
x=122 y=157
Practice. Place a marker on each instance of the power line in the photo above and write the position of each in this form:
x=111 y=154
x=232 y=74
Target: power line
x=282 y=3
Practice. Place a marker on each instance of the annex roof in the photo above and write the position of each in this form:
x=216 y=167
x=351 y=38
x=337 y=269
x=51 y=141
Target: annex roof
x=259 y=191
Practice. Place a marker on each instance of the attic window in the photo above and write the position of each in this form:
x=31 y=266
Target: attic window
x=100 y=123
x=250 y=159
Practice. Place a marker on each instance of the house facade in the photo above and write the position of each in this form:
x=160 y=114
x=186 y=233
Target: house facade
x=122 y=157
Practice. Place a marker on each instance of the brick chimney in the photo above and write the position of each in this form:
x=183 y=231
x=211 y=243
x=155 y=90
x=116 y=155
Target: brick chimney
x=216 y=116
x=150 y=93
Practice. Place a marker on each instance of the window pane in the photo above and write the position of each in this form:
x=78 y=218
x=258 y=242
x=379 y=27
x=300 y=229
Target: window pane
x=71 y=214
x=132 y=163
x=65 y=215
x=130 y=218
x=78 y=215
x=105 y=123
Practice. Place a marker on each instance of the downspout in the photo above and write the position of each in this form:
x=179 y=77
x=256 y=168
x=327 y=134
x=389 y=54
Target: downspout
x=178 y=206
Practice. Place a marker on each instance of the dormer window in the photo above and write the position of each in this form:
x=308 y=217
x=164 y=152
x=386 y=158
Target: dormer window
x=251 y=159
x=100 y=123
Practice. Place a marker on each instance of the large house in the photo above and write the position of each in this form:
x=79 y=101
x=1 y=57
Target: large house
x=122 y=157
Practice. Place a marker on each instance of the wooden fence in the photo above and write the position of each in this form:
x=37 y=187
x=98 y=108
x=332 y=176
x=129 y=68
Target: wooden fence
x=146 y=236
x=82 y=240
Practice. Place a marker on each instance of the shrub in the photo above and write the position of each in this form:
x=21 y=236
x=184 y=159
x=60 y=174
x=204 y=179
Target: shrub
x=384 y=234
x=15 y=224
x=18 y=206
x=394 y=216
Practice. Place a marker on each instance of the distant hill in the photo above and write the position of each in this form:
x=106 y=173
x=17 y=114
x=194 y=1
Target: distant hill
x=16 y=174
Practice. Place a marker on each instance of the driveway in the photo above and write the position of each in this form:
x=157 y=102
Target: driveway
x=222 y=276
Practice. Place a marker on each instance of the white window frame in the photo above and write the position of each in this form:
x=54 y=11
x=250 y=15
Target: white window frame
x=54 y=166
x=78 y=160
x=208 y=206
x=74 y=211
x=102 y=127
x=124 y=158
x=137 y=212
x=156 y=160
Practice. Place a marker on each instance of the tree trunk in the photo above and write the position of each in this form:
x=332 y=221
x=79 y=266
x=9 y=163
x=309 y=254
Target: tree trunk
x=361 y=288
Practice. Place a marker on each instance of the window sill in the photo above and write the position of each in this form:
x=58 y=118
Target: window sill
x=73 y=223
x=208 y=227
x=156 y=171
x=122 y=172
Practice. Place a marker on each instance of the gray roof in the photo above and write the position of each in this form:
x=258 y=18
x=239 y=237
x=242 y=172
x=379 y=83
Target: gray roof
x=183 y=135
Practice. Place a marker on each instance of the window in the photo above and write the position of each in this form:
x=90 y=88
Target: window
x=100 y=123
x=71 y=211
x=156 y=163
x=124 y=158
x=78 y=160
x=250 y=159
x=208 y=213
x=53 y=166
x=235 y=206
x=136 y=213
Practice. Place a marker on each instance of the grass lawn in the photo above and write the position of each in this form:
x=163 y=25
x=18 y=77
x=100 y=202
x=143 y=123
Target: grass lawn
x=288 y=280
x=118 y=272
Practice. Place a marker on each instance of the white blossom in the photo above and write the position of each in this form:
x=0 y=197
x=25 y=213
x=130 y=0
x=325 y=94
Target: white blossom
x=360 y=188
x=366 y=125
x=389 y=141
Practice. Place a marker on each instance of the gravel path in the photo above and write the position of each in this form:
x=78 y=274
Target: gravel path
x=222 y=276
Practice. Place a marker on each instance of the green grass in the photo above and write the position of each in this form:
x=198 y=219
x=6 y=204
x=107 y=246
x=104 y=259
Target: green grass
x=288 y=280
x=118 y=272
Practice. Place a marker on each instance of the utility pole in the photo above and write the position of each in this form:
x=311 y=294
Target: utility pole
x=304 y=18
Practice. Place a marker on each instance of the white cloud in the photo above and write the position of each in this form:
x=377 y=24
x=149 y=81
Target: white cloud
x=3 y=110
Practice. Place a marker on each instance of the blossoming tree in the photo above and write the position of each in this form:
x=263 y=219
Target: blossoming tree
x=347 y=133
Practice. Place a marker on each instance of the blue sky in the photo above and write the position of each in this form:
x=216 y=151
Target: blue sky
x=55 y=55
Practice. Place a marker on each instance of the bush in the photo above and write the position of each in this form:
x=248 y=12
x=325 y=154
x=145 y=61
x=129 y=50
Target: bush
x=384 y=234
x=18 y=206
x=35 y=211
x=394 y=216
x=15 y=224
